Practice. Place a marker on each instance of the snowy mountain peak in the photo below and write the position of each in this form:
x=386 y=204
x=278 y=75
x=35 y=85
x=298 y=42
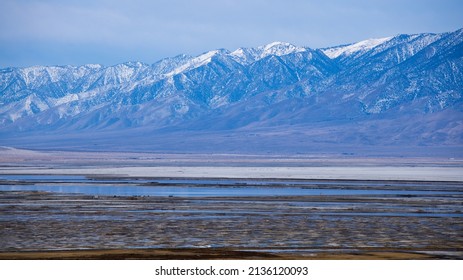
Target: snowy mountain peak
x=93 y=66
x=250 y=55
x=362 y=46
x=206 y=57
x=196 y=62
x=134 y=64
x=244 y=55
x=41 y=74
x=279 y=49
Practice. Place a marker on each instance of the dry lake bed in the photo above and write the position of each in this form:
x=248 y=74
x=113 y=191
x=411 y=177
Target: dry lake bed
x=144 y=206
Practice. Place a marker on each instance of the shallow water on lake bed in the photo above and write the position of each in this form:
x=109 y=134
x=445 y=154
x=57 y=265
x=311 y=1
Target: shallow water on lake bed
x=70 y=212
x=206 y=188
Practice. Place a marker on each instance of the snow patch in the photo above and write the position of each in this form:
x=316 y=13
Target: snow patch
x=250 y=55
x=346 y=96
x=65 y=99
x=279 y=49
x=194 y=63
x=93 y=66
x=362 y=46
x=218 y=101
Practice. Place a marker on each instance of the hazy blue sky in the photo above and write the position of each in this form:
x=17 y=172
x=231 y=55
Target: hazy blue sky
x=56 y=32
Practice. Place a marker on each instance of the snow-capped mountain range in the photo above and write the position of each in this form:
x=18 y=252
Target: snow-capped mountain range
x=405 y=89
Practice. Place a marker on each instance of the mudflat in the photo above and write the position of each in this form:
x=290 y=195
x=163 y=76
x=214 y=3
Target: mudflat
x=49 y=225
x=332 y=209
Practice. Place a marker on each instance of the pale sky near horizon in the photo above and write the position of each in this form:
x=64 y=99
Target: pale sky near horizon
x=76 y=32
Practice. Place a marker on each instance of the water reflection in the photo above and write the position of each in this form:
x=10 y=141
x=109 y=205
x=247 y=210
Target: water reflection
x=191 y=188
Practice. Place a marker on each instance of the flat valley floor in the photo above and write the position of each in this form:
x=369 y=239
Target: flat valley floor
x=64 y=206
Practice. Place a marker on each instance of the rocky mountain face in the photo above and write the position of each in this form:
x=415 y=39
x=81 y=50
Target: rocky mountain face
x=397 y=91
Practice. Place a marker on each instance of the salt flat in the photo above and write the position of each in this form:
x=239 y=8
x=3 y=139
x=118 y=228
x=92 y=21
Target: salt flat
x=418 y=173
x=410 y=220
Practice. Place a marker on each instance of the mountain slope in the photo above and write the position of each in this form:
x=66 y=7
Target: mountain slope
x=394 y=91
